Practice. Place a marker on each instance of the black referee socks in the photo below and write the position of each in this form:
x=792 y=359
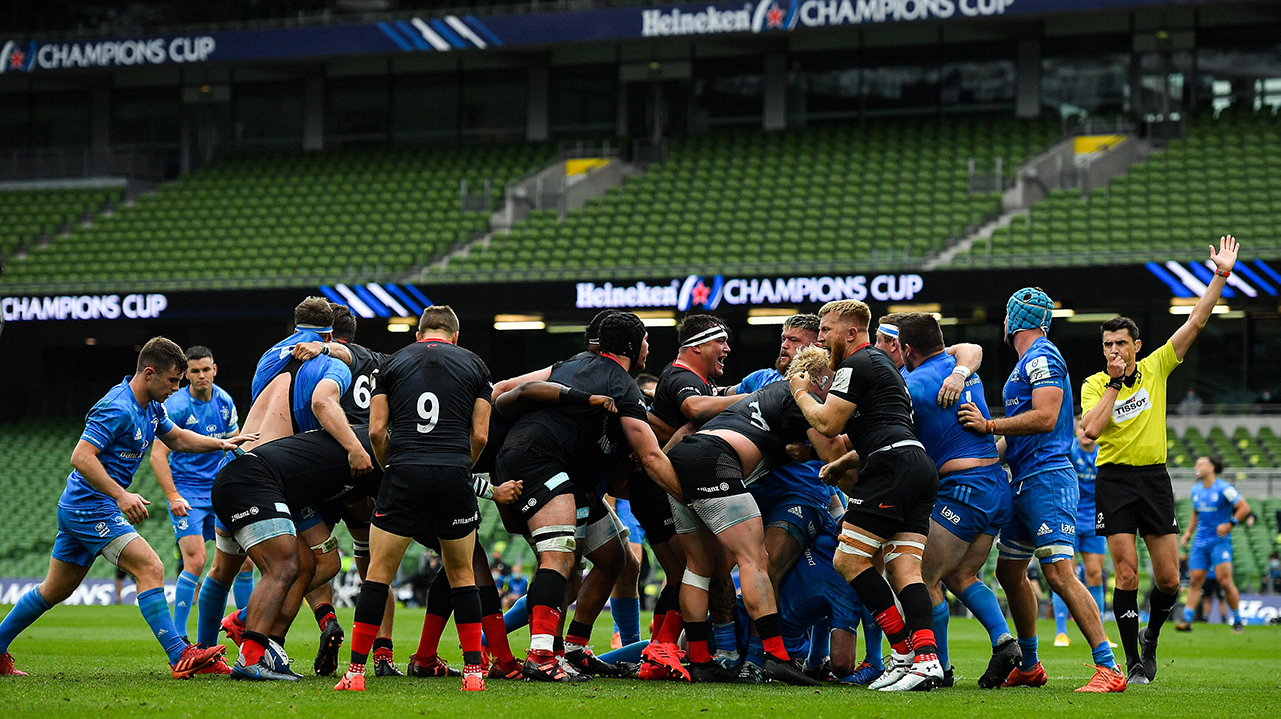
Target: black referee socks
x=1125 y=605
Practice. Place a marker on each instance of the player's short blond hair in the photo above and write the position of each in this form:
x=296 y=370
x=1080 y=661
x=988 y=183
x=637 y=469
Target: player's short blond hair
x=858 y=312
x=812 y=359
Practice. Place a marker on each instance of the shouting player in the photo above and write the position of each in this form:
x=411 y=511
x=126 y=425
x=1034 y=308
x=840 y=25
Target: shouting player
x=96 y=512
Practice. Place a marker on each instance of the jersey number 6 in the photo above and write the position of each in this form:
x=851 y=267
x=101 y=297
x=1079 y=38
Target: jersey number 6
x=429 y=415
x=360 y=391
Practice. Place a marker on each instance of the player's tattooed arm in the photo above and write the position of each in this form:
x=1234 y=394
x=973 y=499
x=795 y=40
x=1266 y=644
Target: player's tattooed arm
x=968 y=358
x=160 y=465
x=85 y=459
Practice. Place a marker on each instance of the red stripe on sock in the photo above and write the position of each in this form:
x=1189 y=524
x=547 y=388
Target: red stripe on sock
x=698 y=653
x=429 y=642
x=323 y=621
x=923 y=641
x=362 y=637
x=673 y=624
x=543 y=620
x=496 y=635
x=658 y=626
x=251 y=651
x=469 y=636
x=890 y=621
x=774 y=645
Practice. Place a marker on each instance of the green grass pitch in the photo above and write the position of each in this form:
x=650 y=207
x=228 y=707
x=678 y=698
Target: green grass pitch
x=102 y=661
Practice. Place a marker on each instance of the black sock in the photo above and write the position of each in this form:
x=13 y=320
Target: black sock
x=1125 y=605
x=323 y=611
x=915 y=599
x=466 y=602
x=371 y=604
x=490 y=602
x=547 y=589
x=439 y=601
x=277 y=639
x=382 y=643
x=877 y=597
x=1162 y=605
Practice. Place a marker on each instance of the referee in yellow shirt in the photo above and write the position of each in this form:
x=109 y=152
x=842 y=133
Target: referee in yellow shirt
x=1124 y=410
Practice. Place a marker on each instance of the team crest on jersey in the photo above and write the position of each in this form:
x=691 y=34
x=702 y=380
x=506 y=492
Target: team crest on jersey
x=226 y=414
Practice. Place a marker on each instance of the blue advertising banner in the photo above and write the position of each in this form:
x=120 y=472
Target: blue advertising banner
x=464 y=32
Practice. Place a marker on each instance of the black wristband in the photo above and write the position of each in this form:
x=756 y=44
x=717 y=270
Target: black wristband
x=570 y=397
x=1117 y=383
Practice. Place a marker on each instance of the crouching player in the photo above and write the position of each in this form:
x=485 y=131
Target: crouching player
x=256 y=498
x=96 y=512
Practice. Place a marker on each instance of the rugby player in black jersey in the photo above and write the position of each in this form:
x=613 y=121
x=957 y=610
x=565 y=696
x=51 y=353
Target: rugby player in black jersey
x=255 y=498
x=553 y=451
x=436 y=398
x=740 y=444
x=893 y=497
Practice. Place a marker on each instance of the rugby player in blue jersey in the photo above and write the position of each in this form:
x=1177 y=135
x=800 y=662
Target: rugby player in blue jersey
x=1217 y=507
x=974 y=500
x=1092 y=547
x=1038 y=430
x=96 y=512
x=186 y=478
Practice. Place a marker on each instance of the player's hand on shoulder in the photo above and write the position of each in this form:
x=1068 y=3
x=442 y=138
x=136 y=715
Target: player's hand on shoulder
x=358 y=460
x=508 y=492
x=133 y=506
x=178 y=506
x=605 y=402
x=233 y=442
x=951 y=390
x=306 y=350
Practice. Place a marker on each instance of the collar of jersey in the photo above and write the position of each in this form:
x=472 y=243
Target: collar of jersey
x=432 y=339
x=677 y=363
x=610 y=356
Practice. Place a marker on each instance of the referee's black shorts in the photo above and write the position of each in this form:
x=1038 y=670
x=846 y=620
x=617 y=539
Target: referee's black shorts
x=895 y=493
x=1134 y=500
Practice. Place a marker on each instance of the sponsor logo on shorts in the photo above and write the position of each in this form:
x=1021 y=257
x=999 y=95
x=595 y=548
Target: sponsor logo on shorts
x=1043 y=530
x=101 y=529
x=475 y=517
x=949 y=515
x=529 y=505
x=797 y=511
x=241 y=515
x=182 y=523
x=711 y=490
x=1098 y=523
x=282 y=507
x=1068 y=529
x=855 y=500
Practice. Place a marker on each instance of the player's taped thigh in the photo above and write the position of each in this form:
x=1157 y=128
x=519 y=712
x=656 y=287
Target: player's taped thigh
x=228 y=545
x=1014 y=550
x=1051 y=553
x=683 y=518
x=695 y=580
x=603 y=531
x=325 y=547
x=793 y=530
x=903 y=548
x=254 y=534
x=858 y=544
x=554 y=538
x=721 y=513
x=116 y=547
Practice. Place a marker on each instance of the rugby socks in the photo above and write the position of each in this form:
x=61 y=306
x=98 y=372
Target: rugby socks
x=242 y=588
x=1097 y=593
x=626 y=613
x=1125 y=605
x=1162 y=605
x=821 y=644
x=28 y=609
x=872 y=639
x=672 y=622
x=770 y=627
x=878 y=598
x=324 y=613
x=915 y=599
x=1028 y=645
x=155 y=610
x=1188 y=614
x=491 y=623
x=982 y=602
x=252 y=646
x=724 y=639
x=660 y=609
x=440 y=605
x=696 y=635
x=941 y=616
x=630 y=653
x=546 y=593
x=1103 y=655
x=1060 y=613
x=370 y=607
x=183 y=598
x=212 y=602
x=755 y=651
x=466 y=601
x=513 y=619
x=578 y=636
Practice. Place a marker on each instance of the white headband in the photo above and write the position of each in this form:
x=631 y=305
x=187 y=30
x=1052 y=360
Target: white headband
x=887 y=330
x=707 y=335
x=314 y=328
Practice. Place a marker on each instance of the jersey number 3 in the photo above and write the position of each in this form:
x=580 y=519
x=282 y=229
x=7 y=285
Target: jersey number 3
x=428 y=414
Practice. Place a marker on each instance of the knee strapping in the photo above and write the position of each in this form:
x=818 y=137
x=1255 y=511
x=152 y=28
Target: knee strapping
x=901 y=548
x=858 y=544
x=1055 y=552
x=360 y=549
x=554 y=538
x=695 y=580
x=326 y=546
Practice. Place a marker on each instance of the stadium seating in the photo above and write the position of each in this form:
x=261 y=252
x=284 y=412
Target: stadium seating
x=264 y=220
x=1213 y=182
x=836 y=196
x=28 y=214
x=1238 y=450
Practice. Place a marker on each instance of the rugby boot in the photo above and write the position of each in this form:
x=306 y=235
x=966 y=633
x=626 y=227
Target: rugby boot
x=7 y=669
x=194 y=658
x=1062 y=640
x=1034 y=677
x=865 y=673
x=666 y=656
x=278 y=660
x=1238 y=627
x=586 y=662
x=926 y=674
x=1006 y=656
x=260 y=672
x=1147 y=647
x=433 y=667
x=234 y=628
x=544 y=666
x=331 y=639
x=949 y=678
x=1105 y=680
x=628 y=670
x=1183 y=627
x=749 y=673
x=506 y=670
x=473 y=678
x=353 y=680
x=787 y=672
x=385 y=664
x=485 y=658
x=900 y=665
x=708 y=672
x=218 y=666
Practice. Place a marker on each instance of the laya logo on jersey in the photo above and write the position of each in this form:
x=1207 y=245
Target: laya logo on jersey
x=1130 y=407
x=695 y=292
x=949 y=515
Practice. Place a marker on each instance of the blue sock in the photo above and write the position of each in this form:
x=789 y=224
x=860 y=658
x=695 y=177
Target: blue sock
x=1188 y=614
x=183 y=599
x=981 y=602
x=872 y=638
x=940 y=633
x=725 y=637
x=155 y=610
x=627 y=653
x=28 y=609
x=243 y=587
x=243 y=615
x=212 y=602
x=755 y=651
x=1028 y=645
x=821 y=645
x=1103 y=655
x=1060 y=613
x=626 y=612
x=1097 y=593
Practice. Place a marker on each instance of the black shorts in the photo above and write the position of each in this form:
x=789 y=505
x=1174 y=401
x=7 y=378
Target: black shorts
x=1134 y=500
x=895 y=493
x=650 y=507
x=417 y=498
x=532 y=455
x=708 y=467
x=245 y=493
x=334 y=512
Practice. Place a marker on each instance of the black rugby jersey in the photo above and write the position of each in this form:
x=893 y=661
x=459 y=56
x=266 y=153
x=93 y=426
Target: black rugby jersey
x=355 y=401
x=869 y=379
x=770 y=418
x=677 y=384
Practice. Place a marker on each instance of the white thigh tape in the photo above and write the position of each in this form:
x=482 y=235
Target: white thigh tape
x=228 y=545
x=904 y=548
x=695 y=580
x=1058 y=552
x=1014 y=550
x=858 y=544
x=116 y=547
x=326 y=546
x=554 y=538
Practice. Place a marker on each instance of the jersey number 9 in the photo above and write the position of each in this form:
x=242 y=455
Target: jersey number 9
x=429 y=415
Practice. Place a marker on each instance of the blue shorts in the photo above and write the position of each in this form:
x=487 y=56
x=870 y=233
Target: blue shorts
x=199 y=521
x=1210 y=554
x=1044 y=523
x=794 y=514
x=974 y=501
x=1087 y=542
x=85 y=533
x=306 y=518
x=623 y=509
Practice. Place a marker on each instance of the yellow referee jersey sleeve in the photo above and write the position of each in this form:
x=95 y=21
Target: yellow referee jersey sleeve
x=1135 y=433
